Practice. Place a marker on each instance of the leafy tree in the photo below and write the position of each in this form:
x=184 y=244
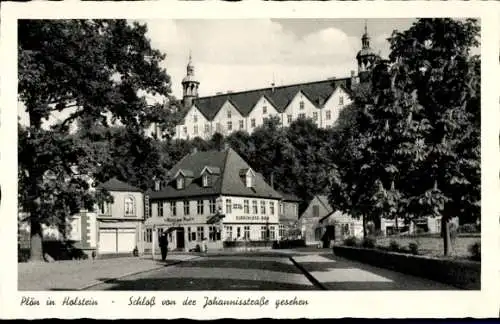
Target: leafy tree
x=419 y=132
x=93 y=71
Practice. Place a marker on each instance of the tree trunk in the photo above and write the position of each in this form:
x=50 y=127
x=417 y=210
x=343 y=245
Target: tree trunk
x=445 y=229
x=36 y=248
x=364 y=226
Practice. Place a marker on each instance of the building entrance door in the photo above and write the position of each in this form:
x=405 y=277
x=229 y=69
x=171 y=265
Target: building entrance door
x=180 y=238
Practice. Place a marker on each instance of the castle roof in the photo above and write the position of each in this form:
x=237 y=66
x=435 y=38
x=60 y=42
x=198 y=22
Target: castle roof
x=280 y=97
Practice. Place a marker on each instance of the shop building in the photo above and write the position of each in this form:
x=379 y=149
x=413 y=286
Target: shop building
x=212 y=195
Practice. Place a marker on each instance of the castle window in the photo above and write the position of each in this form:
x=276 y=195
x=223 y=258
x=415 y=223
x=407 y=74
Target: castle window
x=241 y=124
x=186 y=207
x=289 y=118
x=207 y=128
x=160 y=208
x=252 y=122
x=301 y=105
x=328 y=115
x=315 y=115
x=129 y=206
x=254 y=207
x=173 y=208
x=303 y=116
x=212 y=206
x=195 y=129
x=229 y=125
x=341 y=101
x=200 y=207
x=185 y=130
x=264 y=110
x=246 y=208
x=229 y=113
x=195 y=118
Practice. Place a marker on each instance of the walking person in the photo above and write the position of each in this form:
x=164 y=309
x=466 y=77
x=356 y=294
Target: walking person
x=163 y=241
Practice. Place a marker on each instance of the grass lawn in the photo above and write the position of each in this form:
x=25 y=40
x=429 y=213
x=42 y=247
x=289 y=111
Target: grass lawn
x=432 y=245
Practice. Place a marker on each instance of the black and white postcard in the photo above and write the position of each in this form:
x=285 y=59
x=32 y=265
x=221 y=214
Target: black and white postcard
x=211 y=160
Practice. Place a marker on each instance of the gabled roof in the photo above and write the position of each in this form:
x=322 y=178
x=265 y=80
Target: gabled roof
x=244 y=101
x=324 y=200
x=228 y=182
x=211 y=170
x=185 y=172
x=288 y=196
x=114 y=184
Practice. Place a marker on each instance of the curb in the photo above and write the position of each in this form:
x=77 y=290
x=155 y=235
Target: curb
x=306 y=273
x=95 y=283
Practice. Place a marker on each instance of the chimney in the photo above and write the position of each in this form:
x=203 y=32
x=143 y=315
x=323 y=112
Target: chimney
x=194 y=150
x=272 y=180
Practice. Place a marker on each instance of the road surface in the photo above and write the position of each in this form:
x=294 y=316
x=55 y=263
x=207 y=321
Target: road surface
x=269 y=271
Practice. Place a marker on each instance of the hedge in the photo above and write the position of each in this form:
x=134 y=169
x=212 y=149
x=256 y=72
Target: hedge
x=462 y=274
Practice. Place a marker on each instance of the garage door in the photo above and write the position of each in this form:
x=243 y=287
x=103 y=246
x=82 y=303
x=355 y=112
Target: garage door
x=126 y=240
x=107 y=241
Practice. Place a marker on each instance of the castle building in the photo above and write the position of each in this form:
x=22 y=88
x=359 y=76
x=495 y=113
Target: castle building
x=225 y=113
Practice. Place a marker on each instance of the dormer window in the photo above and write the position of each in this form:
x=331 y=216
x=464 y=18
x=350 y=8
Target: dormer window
x=249 y=181
x=207 y=175
x=248 y=177
x=180 y=182
x=206 y=180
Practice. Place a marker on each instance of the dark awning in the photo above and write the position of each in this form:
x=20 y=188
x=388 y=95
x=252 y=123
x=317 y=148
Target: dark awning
x=215 y=219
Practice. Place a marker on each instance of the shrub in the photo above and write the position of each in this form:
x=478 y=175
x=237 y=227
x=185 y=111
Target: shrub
x=394 y=246
x=351 y=241
x=475 y=251
x=413 y=248
x=369 y=242
x=468 y=228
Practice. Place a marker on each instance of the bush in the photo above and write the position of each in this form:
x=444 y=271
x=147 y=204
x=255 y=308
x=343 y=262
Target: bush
x=288 y=244
x=468 y=228
x=369 y=242
x=351 y=241
x=413 y=247
x=394 y=246
x=475 y=251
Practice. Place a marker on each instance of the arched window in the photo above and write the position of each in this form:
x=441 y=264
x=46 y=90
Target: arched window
x=129 y=206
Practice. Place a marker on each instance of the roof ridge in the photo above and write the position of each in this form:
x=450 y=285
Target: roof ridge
x=270 y=88
x=223 y=173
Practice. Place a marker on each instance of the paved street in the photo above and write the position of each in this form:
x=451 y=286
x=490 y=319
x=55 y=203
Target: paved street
x=270 y=271
x=222 y=272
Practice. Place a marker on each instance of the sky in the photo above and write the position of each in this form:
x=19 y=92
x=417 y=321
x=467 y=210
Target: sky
x=233 y=55
x=243 y=54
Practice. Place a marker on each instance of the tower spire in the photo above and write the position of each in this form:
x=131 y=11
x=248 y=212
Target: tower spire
x=366 y=26
x=189 y=83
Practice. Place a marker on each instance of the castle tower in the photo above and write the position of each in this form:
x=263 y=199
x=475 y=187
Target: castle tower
x=366 y=57
x=189 y=85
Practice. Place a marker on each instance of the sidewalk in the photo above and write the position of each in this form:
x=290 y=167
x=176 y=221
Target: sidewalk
x=75 y=275
x=334 y=273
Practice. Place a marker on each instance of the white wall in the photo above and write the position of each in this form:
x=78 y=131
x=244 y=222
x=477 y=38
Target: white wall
x=222 y=118
x=187 y=129
x=334 y=106
x=294 y=109
x=258 y=114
